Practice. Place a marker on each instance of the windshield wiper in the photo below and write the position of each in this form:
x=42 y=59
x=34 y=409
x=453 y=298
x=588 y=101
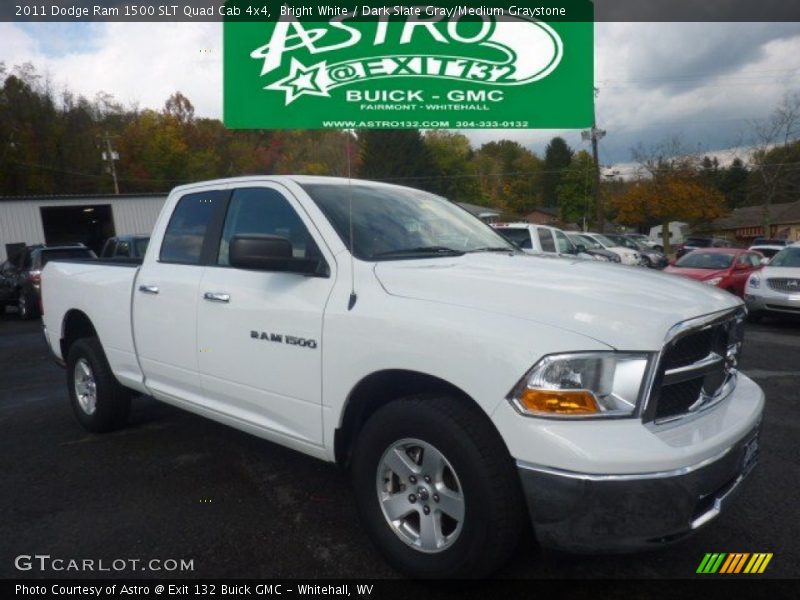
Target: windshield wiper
x=493 y=249
x=424 y=250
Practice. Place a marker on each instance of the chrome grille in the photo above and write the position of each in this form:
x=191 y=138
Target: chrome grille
x=784 y=284
x=697 y=367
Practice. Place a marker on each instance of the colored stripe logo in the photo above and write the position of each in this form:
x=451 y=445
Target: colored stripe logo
x=734 y=562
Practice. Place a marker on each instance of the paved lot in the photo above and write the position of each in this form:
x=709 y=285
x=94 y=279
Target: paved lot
x=174 y=485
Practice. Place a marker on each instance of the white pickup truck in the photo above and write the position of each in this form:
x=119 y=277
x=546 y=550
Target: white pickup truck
x=467 y=388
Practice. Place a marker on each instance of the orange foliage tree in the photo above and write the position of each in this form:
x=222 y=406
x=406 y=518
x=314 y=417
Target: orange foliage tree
x=668 y=197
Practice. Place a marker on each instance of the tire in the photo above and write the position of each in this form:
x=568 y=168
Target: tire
x=98 y=400
x=477 y=469
x=26 y=307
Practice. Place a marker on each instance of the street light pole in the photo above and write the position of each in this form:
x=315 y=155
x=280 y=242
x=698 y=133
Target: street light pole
x=594 y=134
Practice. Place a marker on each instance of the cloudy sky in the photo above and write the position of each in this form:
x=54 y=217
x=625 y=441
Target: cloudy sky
x=704 y=82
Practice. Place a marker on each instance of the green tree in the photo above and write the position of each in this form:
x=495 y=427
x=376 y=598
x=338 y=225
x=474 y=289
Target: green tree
x=398 y=155
x=557 y=158
x=453 y=158
x=576 y=190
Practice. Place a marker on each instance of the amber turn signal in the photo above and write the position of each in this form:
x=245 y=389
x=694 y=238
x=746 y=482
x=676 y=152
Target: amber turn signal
x=559 y=402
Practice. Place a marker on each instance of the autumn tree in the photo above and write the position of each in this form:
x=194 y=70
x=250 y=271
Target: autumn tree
x=669 y=196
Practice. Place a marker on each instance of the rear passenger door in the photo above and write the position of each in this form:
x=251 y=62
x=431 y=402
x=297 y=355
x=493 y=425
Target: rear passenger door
x=260 y=332
x=546 y=240
x=166 y=295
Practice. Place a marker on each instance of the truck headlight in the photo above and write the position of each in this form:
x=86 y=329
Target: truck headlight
x=754 y=282
x=713 y=281
x=586 y=384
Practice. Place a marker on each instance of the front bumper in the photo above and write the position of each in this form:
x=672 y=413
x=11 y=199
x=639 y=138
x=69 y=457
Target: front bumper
x=771 y=301
x=589 y=512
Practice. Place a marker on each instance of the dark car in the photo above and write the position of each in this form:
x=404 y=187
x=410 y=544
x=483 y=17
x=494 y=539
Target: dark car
x=8 y=285
x=696 y=242
x=125 y=246
x=650 y=256
x=25 y=274
x=725 y=268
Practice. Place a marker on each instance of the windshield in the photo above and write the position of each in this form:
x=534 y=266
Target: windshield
x=698 y=242
x=396 y=222
x=621 y=240
x=521 y=237
x=604 y=241
x=788 y=257
x=586 y=241
x=705 y=260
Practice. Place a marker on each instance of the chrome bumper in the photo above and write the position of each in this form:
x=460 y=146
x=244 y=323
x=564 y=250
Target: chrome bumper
x=580 y=512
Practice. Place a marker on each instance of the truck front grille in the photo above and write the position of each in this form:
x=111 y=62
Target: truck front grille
x=784 y=284
x=697 y=368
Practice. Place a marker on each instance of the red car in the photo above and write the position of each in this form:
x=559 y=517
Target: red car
x=726 y=268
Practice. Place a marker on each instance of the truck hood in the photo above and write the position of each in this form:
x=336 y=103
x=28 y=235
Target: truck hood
x=628 y=308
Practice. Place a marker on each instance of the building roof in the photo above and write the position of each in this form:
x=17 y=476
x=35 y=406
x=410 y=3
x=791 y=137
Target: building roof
x=479 y=211
x=82 y=196
x=753 y=216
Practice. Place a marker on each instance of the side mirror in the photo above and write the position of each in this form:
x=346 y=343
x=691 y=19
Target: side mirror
x=765 y=261
x=580 y=248
x=271 y=253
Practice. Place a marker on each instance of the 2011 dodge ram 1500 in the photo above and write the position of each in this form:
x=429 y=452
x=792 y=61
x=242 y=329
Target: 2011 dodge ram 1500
x=461 y=382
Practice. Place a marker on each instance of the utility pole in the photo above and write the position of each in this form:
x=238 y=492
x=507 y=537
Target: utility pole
x=111 y=156
x=594 y=134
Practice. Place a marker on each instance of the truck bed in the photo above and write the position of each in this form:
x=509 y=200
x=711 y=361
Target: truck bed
x=102 y=289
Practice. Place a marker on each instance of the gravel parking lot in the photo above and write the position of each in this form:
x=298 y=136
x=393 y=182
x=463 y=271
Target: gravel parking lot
x=173 y=485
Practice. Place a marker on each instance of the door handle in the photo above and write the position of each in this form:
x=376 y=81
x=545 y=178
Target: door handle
x=148 y=289
x=214 y=297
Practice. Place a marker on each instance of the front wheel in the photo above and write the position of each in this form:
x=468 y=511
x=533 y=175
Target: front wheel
x=436 y=488
x=98 y=400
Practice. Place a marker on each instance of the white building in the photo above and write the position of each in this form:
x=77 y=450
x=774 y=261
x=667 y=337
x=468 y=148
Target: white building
x=91 y=219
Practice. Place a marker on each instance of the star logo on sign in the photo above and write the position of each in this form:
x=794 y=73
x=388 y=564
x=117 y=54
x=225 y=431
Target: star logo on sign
x=301 y=81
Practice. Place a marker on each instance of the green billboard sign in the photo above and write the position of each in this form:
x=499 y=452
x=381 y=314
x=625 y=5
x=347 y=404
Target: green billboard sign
x=444 y=66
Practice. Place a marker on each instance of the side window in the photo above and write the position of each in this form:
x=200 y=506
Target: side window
x=755 y=261
x=564 y=245
x=265 y=211
x=546 y=240
x=186 y=232
x=108 y=249
x=123 y=249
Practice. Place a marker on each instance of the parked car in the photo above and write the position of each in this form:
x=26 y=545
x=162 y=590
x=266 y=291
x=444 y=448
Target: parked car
x=643 y=240
x=768 y=251
x=725 y=268
x=125 y=246
x=651 y=257
x=8 y=285
x=697 y=242
x=594 y=248
x=463 y=386
x=27 y=272
x=627 y=255
x=541 y=239
x=776 y=288
x=771 y=242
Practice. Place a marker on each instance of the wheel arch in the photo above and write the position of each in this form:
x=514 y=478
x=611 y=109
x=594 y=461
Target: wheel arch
x=381 y=387
x=76 y=325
